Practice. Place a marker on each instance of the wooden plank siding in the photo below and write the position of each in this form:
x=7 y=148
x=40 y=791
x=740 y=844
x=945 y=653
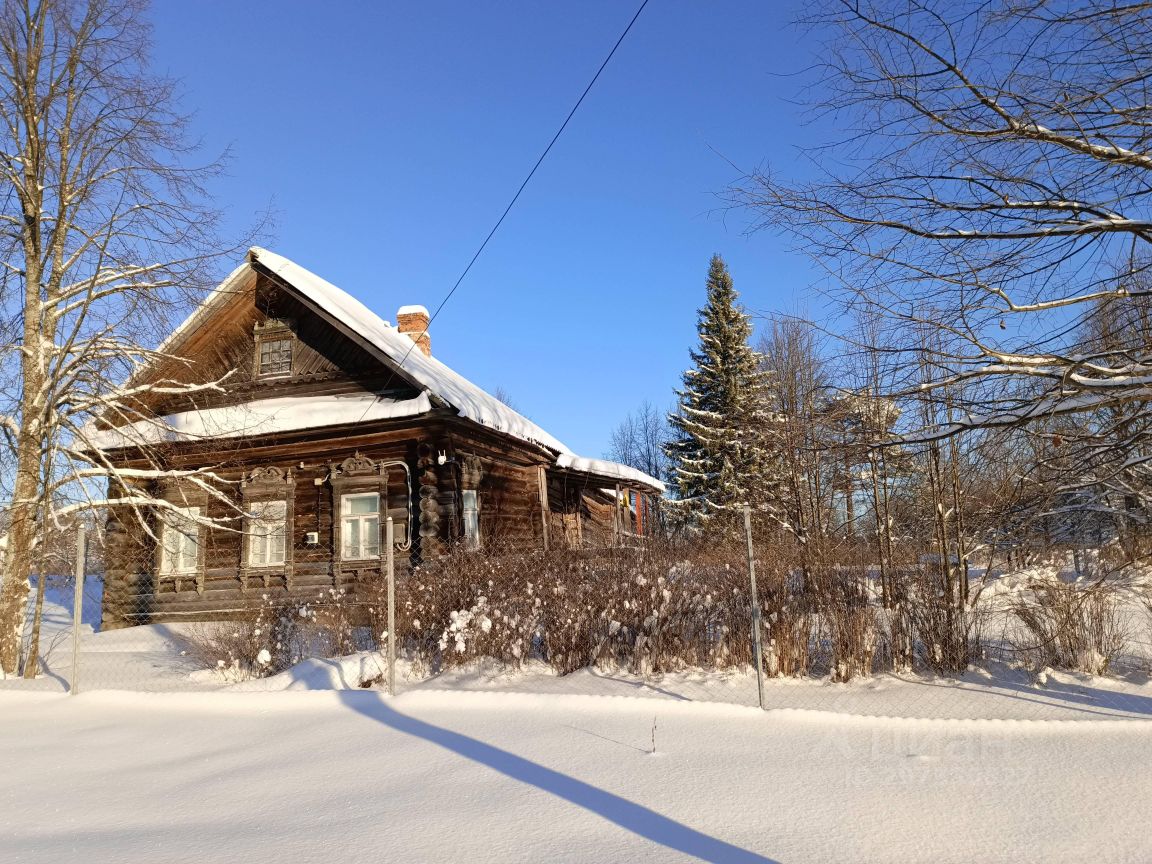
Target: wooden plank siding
x=224 y=347
x=509 y=515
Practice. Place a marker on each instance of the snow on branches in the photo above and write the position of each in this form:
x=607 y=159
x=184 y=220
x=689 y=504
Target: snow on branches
x=723 y=455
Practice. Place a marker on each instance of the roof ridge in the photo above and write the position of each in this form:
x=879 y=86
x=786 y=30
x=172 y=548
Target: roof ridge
x=470 y=400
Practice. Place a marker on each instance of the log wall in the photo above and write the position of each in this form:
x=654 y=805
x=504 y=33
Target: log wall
x=508 y=496
x=305 y=464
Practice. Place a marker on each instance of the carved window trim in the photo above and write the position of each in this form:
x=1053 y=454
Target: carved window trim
x=264 y=484
x=184 y=499
x=357 y=475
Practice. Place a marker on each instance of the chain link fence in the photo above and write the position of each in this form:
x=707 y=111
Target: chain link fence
x=644 y=619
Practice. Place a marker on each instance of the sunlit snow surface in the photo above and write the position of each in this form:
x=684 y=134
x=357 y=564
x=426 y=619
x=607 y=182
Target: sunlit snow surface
x=483 y=764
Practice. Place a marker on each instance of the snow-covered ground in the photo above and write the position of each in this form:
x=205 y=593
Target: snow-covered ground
x=487 y=765
x=137 y=658
x=153 y=659
x=431 y=776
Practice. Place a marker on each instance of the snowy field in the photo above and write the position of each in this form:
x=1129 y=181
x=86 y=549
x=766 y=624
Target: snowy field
x=157 y=760
x=354 y=776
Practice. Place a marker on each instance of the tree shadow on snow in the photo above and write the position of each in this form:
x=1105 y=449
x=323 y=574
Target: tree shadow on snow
x=312 y=675
x=1057 y=695
x=1083 y=697
x=640 y=685
x=620 y=811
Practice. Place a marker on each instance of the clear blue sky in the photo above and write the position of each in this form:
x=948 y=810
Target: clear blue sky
x=388 y=137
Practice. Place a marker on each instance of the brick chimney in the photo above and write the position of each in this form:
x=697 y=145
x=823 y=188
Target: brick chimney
x=412 y=321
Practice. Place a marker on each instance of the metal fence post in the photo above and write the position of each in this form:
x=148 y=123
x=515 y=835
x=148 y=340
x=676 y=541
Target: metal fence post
x=389 y=536
x=78 y=608
x=757 y=649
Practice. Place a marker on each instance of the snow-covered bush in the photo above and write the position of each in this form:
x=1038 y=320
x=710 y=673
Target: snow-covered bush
x=1074 y=626
x=849 y=622
x=653 y=610
x=233 y=648
x=277 y=635
x=665 y=607
x=896 y=636
x=466 y=605
x=945 y=629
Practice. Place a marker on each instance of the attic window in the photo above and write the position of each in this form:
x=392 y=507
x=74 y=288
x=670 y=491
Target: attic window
x=274 y=357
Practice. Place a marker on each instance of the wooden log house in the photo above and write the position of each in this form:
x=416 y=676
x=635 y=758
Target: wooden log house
x=327 y=421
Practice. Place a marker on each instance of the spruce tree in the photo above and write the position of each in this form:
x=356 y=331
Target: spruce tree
x=722 y=457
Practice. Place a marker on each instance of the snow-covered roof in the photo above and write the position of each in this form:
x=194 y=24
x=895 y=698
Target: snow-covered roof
x=261 y=417
x=605 y=468
x=428 y=372
x=277 y=415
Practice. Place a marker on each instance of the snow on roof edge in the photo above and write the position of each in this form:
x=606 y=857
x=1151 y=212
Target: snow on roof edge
x=259 y=417
x=606 y=468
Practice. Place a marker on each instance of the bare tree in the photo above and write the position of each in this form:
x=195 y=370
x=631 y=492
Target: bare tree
x=991 y=186
x=106 y=234
x=986 y=199
x=639 y=441
x=501 y=393
x=801 y=377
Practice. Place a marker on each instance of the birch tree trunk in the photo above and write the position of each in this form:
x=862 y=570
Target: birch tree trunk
x=23 y=62
x=106 y=236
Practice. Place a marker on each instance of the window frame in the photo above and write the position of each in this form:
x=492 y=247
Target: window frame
x=260 y=485
x=346 y=515
x=470 y=517
x=170 y=517
x=280 y=336
x=252 y=537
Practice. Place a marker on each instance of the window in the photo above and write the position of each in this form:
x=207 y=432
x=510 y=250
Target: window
x=179 y=541
x=267 y=530
x=360 y=526
x=471 y=518
x=275 y=356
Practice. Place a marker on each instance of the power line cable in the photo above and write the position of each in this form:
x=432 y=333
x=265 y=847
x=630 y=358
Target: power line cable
x=527 y=179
